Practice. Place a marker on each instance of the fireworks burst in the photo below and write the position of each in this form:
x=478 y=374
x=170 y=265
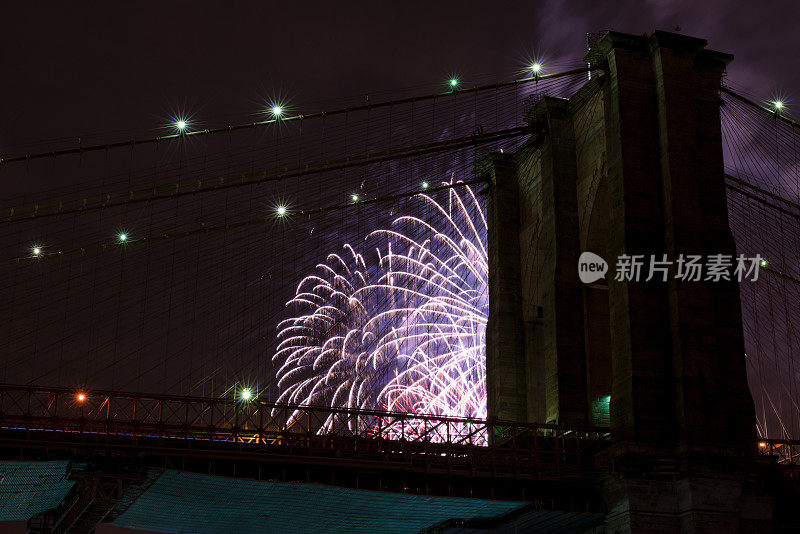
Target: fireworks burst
x=405 y=333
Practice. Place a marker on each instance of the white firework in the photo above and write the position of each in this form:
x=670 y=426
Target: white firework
x=404 y=334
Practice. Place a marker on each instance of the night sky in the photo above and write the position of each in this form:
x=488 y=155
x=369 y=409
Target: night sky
x=167 y=316
x=123 y=68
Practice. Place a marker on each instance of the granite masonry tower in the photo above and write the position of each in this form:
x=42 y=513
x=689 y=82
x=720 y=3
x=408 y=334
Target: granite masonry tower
x=631 y=164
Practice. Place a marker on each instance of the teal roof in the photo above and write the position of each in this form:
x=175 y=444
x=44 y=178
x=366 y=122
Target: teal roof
x=29 y=488
x=179 y=502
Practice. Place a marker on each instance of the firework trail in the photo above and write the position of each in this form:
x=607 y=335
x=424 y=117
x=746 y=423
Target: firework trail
x=403 y=333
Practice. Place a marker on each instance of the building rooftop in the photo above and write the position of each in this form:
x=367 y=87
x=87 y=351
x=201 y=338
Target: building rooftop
x=178 y=502
x=175 y=502
x=30 y=488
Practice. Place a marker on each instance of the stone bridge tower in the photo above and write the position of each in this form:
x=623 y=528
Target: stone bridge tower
x=632 y=164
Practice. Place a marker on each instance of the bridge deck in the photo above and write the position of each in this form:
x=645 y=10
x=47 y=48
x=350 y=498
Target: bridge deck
x=358 y=448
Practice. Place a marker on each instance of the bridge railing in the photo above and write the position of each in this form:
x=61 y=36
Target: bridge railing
x=168 y=417
x=786 y=451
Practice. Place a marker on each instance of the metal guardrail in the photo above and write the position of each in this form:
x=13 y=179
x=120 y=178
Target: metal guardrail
x=260 y=431
x=201 y=418
x=255 y=431
x=786 y=451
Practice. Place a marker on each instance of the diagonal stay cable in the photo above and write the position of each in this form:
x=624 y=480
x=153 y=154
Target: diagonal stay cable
x=226 y=129
x=756 y=105
x=121 y=198
x=239 y=224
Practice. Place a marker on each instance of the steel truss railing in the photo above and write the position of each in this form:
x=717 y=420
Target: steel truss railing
x=494 y=448
x=500 y=448
x=786 y=451
x=178 y=417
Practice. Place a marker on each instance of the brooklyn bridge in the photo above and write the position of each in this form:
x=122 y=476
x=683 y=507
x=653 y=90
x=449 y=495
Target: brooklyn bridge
x=371 y=317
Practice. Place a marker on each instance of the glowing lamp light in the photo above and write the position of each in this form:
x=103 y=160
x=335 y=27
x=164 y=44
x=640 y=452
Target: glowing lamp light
x=181 y=125
x=80 y=397
x=354 y=197
x=276 y=110
x=454 y=82
x=764 y=262
x=36 y=251
x=246 y=394
x=536 y=67
x=122 y=237
x=778 y=104
x=281 y=211
x=762 y=444
x=425 y=185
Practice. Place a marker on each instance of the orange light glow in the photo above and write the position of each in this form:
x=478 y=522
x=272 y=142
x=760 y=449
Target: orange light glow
x=81 y=397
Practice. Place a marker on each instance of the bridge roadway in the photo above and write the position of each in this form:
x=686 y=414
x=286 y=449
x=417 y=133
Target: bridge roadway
x=355 y=448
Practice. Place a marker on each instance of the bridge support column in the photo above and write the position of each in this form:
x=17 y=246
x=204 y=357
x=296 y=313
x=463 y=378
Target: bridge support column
x=505 y=356
x=552 y=292
x=712 y=398
x=682 y=417
x=536 y=363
